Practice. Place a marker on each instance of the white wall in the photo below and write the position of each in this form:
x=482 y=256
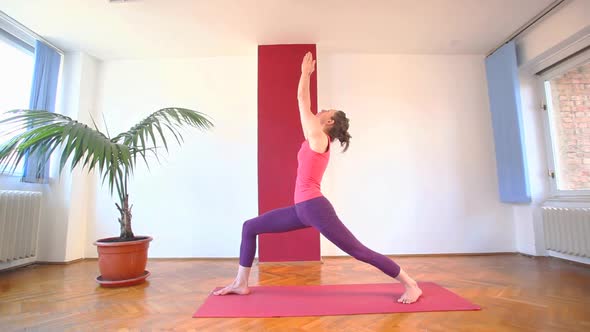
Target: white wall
x=560 y=34
x=63 y=206
x=81 y=106
x=526 y=226
x=420 y=174
x=195 y=201
x=419 y=177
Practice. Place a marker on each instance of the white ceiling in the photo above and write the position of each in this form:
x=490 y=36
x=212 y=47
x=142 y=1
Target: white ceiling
x=187 y=28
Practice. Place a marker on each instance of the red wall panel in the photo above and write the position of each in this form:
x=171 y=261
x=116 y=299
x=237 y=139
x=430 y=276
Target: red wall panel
x=279 y=138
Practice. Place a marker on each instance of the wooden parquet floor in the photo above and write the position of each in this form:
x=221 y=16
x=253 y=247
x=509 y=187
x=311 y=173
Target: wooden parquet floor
x=517 y=293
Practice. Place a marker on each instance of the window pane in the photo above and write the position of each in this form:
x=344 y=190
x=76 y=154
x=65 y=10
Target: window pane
x=569 y=107
x=16 y=66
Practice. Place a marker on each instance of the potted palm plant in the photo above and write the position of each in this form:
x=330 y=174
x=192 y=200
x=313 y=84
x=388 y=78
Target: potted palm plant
x=122 y=260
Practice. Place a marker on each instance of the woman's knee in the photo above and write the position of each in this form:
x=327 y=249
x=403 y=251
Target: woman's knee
x=248 y=227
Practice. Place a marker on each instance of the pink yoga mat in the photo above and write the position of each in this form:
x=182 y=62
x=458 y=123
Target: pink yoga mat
x=329 y=300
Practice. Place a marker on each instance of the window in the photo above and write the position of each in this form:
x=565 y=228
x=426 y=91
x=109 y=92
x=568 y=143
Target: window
x=16 y=66
x=567 y=100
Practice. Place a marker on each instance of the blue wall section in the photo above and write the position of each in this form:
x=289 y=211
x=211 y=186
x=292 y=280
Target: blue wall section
x=504 y=95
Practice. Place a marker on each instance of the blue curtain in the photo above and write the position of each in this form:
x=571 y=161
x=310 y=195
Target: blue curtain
x=43 y=93
x=505 y=106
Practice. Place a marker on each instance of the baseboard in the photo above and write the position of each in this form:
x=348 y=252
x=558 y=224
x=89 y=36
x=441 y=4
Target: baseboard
x=189 y=258
x=528 y=255
x=60 y=263
x=332 y=257
x=31 y=261
x=290 y=262
x=452 y=254
x=179 y=259
x=583 y=261
x=12 y=265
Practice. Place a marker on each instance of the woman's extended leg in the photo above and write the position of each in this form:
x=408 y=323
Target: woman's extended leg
x=319 y=213
x=275 y=221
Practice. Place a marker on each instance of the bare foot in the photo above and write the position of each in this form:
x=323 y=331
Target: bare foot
x=411 y=295
x=233 y=289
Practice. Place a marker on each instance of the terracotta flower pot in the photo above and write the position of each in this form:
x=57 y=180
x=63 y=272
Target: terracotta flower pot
x=122 y=263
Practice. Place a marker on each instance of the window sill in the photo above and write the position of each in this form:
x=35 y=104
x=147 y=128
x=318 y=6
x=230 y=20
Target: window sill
x=567 y=202
x=15 y=181
x=9 y=175
x=577 y=198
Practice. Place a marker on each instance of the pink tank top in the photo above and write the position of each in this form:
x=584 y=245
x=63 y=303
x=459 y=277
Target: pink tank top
x=311 y=166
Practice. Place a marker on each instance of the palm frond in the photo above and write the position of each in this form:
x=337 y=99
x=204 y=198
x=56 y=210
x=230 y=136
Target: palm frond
x=115 y=158
x=46 y=131
x=171 y=119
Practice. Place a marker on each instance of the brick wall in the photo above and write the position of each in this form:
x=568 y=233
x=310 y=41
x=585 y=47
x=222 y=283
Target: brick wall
x=571 y=105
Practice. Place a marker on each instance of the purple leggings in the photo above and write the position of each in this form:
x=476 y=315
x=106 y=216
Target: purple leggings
x=318 y=213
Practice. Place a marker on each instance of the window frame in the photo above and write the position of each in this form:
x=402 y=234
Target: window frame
x=16 y=42
x=26 y=47
x=548 y=129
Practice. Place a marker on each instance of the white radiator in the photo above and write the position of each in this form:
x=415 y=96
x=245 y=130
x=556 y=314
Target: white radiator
x=19 y=224
x=567 y=230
